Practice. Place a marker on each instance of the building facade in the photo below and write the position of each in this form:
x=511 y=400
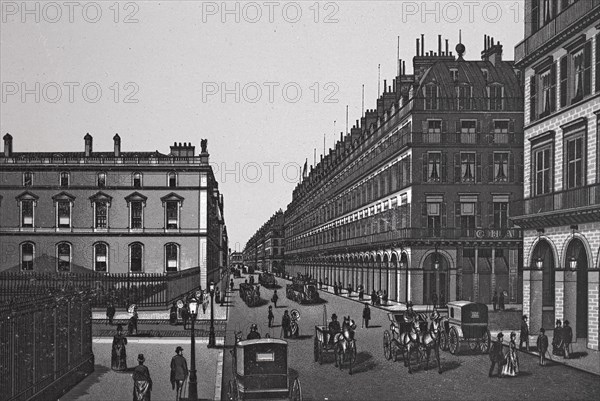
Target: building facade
x=265 y=250
x=416 y=199
x=560 y=57
x=111 y=212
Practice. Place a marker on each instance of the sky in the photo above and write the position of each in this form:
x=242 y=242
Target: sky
x=266 y=82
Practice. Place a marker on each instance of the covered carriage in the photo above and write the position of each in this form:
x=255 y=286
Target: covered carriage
x=398 y=326
x=260 y=371
x=250 y=293
x=302 y=290
x=267 y=280
x=467 y=323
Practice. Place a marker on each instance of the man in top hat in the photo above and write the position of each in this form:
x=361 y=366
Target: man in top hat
x=524 y=335
x=179 y=371
x=334 y=327
x=254 y=334
x=496 y=355
x=410 y=315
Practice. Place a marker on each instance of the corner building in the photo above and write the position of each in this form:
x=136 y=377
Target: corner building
x=111 y=212
x=265 y=249
x=416 y=199
x=560 y=57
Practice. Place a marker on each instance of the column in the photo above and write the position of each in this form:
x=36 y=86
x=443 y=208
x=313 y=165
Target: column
x=569 y=298
x=493 y=278
x=593 y=327
x=476 y=277
x=535 y=295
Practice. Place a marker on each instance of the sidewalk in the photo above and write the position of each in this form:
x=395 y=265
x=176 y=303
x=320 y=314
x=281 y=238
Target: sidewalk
x=582 y=358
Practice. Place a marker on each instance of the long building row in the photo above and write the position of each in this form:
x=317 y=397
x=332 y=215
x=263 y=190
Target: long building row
x=471 y=177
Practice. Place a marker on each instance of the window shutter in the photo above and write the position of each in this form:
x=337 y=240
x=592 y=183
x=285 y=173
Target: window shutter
x=511 y=126
x=400 y=174
x=553 y=87
x=478 y=125
x=478 y=215
x=521 y=168
x=598 y=62
x=511 y=168
x=458 y=126
x=587 y=62
x=424 y=167
x=444 y=216
x=444 y=126
x=490 y=215
x=532 y=98
x=457 y=167
x=423 y=214
x=444 y=169
x=457 y=215
x=424 y=126
x=490 y=167
x=563 y=80
x=479 y=172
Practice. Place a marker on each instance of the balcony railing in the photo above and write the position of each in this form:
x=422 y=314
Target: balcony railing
x=101 y=160
x=471 y=104
x=553 y=28
x=564 y=200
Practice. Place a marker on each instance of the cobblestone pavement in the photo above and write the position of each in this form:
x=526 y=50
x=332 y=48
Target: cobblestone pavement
x=463 y=376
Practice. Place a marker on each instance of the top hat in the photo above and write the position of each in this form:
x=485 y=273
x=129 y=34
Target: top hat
x=141 y=358
x=500 y=335
x=119 y=327
x=178 y=349
x=334 y=316
x=409 y=304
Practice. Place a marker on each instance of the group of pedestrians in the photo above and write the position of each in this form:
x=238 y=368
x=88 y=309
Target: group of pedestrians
x=506 y=363
x=498 y=300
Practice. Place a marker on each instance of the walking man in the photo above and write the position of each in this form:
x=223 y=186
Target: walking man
x=524 y=336
x=496 y=355
x=567 y=339
x=179 y=372
x=110 y=312
x=275 y=298
x=366 y=315
x=270 y=316
x=542 y=346
x=501 y=300
x=495 y=300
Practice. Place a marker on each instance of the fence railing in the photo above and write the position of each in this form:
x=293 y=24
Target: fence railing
x=45 y=344
x=147 y=289
x=572 y=198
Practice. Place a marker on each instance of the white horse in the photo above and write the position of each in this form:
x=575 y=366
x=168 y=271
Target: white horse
x=345 y=344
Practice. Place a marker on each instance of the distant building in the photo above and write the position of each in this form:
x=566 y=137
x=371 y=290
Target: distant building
x=416 y=199
x=265 y=250
x=560 y=56
x=236 y=259
x=111 y=212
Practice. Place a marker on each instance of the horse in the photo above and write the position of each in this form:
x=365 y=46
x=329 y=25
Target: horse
x=427 y=340
x=345 y=344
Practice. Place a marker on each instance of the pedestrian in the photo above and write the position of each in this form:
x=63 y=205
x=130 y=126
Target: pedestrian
x=173 y=314
x=567 y=339
x=373 y=297
x=110 y=312
x=495 y=300
x=434 y=299
x=185 y=314
x=231 y=284
x=254 y=334
x=179 y=372
x=326 y=282
x=286 y=324
x=384 y=298
x=366 y=315
x=335 y=288
x=218 y=295
x=501 y=300
x=205 y=298
x=270 y=316
x=524 y=335
x=349 y=288
x=542 y=346
x=118 y=361
x=361 y=292
x=275 y=298
x=142 y=383
x=320 y=284
x=496 y=355
x=557 y=339
x=132 y=326
x=511 y=365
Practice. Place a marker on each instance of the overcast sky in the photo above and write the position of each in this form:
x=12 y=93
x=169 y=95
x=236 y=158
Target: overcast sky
x=155 y=72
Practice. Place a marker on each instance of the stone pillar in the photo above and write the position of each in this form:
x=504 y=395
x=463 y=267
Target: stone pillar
x=452 y=296
x=476 y=277
x=493 y=278
x=513 y=275
x=415 y=284
x=569 y=298
x=593 y=326
x=535 y=299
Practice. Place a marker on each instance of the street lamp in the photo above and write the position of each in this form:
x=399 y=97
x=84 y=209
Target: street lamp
x=193 y=391
x=211 y=333
x=573 y=263
x=539 y=263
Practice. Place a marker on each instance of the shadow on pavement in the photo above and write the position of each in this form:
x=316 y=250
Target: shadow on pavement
x=364 y=363
x=449 y=365
x=261 y=302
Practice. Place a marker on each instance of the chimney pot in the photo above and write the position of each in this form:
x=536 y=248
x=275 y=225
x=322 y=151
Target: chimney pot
x=7 y=145
x=422 y=44
x=417 y=47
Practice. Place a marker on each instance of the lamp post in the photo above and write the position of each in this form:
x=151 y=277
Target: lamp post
x=211 y=333
x=193 y=391
x=573 y=263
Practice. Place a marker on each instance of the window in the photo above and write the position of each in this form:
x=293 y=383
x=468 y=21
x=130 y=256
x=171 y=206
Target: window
x=454 y=74
x=467 y=131
x=172 y=211
x=548 y=10
x=101 y=257
x=27 y=255
x=542 y=170
x=27 y=215
x=136 y=252
x=548 y=80
x=172 y=178
x=434 y=129
x=431 y=97
x=496 y=96
x=464 y=95
x=501 y=166
x=501 y=131
x=582 y=66
x=485 y=73
x=137 y=180
x=535 y=15
x=434 y=218
x=100 y=215
x=64 y=179
x=467 y=167
x=574 y=162
x=171 y=257
x=63 y=209
x=27 y=179
x=136 y=214
x=101 y=180
x=500 y=215
x=434 y=161
x=63 y=255
x=532 y=98
x=466 y=219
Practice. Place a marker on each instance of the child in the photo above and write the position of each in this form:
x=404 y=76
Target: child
x=542 y=346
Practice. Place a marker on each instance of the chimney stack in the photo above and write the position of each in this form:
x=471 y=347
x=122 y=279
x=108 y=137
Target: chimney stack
x=8 y=145
x=417 y=47
x=440 y=45
x=422 y=44
x=88 y=144
x=117 y=141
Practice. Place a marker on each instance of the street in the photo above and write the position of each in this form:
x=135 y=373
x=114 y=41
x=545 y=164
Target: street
x=464 y=376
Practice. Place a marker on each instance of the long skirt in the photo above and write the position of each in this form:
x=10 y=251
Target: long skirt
x=141 y=390
x=119 y=357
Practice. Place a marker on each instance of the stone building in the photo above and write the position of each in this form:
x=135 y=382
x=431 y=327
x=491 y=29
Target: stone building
x=265 y=249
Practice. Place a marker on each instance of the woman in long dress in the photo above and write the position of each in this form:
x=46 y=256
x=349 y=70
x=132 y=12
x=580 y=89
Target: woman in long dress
x=511 y=367
x=119 y=354
x=142 y=383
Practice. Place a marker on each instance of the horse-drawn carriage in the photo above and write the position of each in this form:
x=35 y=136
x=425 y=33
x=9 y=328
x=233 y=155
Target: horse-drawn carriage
x=342 y=345
x=250 y=293
x=267 y=280
x=302 y=290
x=467 y=322
x=260 y=371
x=412 y=335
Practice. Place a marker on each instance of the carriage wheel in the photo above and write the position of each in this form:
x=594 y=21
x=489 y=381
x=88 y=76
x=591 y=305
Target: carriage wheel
x=316 y=349
x=444 y=341
x=296 y=392
x=484 y=345
x=453 y=341
x=386 y=345
x=394 y=352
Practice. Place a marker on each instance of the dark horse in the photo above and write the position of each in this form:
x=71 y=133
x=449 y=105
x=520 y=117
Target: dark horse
x=427 y=340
